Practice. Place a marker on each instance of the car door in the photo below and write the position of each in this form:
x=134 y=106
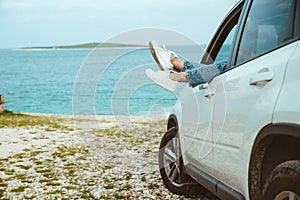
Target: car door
x=251 y=86
x=287 y=107
x=198 y=103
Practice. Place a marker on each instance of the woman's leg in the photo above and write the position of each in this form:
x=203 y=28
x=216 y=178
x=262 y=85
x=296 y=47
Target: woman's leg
x=195 y=73
x=201 y=74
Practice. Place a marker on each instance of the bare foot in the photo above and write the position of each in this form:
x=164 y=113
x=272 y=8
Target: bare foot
x=177 y=63
x=180 y=76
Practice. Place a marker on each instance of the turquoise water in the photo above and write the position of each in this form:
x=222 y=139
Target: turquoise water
x=105 y=82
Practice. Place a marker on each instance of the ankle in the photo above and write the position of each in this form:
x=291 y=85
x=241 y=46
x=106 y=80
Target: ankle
x=176 y=62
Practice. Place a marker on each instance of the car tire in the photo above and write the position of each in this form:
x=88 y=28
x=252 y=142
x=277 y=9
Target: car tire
x=284 y=182
x=171 y=167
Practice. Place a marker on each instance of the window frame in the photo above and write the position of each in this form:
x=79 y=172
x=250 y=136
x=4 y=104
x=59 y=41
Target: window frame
x=222 y=32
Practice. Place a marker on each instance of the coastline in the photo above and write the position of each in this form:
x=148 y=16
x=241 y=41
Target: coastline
x=135 y=118
x=91 y=45
x=66 y=49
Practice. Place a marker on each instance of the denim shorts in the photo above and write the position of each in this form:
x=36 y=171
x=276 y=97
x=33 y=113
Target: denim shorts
x=200 y=73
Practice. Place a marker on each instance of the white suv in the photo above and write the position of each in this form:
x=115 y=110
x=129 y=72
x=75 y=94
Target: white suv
x=238 y=136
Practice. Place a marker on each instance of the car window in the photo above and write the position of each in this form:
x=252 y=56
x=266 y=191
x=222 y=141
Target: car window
x=219 y=47
x=269 y=24
x=224 y=52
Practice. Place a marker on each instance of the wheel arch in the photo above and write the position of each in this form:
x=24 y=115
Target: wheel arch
x=275 y=143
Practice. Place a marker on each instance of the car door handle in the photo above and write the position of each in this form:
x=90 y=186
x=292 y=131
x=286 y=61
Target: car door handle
x=203 y=86
x=262 y=78
x=210 y=93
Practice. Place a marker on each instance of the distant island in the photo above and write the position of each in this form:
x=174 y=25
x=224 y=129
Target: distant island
x=85 y=46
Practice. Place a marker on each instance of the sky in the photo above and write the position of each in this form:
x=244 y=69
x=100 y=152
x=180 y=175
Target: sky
x=65 y=22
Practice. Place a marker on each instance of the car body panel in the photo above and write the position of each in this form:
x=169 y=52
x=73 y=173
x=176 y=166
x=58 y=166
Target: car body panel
x=196 y=128
x=288 y=107
x=248 y=108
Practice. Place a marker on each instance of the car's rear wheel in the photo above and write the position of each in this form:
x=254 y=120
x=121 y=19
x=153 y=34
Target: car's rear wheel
x=171 y=167
x=284 y=182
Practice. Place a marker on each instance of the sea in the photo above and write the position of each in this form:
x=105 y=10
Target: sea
x=102 y=81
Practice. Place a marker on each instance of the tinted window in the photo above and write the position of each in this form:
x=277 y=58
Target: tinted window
x=269 y=24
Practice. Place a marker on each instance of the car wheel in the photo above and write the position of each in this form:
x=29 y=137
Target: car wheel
x=171 y=167
x=284 y=182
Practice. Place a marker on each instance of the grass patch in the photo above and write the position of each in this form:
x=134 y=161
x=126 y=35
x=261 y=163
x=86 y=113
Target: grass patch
x=20 y=176
x=25 y=167
x=2 y=183
x=13 y=120
x=53 y=184
x=2 y=191
x=9 y=172
x=19 y=156
x=109 y=186
x=53 y=192
x=128 y=176
x=152 y=186
x=63 y=152
x=125 y=187
x=19 y=189
x=143 y=179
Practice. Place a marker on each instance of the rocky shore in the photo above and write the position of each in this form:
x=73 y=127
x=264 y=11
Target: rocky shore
x=62 y=157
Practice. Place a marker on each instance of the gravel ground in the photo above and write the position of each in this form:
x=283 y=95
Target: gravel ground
x=82 y=159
